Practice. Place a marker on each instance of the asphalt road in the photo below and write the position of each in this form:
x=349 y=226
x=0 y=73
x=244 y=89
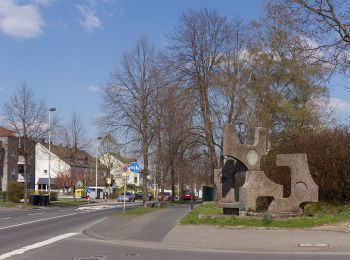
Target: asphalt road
x=22 y=228
x=80 y=247
x=57 y=234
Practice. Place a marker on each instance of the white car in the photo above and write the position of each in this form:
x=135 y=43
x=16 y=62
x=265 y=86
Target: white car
x=128 y=197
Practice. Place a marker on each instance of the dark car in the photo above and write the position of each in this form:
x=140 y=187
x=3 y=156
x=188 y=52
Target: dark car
x=166 y=196
x=139 y=196
x=188 y=195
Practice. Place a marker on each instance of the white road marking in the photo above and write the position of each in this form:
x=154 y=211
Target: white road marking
x=39 y=213
x=5 y=218
x=36 y=245
x=38 y=220
x=97 y=207
x=313 y=245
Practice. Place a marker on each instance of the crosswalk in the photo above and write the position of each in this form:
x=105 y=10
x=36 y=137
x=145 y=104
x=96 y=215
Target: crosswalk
x=103 y=207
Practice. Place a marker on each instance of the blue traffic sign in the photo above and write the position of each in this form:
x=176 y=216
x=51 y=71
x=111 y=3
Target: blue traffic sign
x=134 y=167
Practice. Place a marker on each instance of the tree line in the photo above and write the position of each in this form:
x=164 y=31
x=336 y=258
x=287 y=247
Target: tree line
x=173 y=102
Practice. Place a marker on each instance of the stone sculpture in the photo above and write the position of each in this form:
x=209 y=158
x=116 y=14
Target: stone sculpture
x=247 y=158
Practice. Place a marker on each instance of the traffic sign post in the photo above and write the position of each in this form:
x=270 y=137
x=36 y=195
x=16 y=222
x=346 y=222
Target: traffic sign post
x=134 y=167
x=125 y=177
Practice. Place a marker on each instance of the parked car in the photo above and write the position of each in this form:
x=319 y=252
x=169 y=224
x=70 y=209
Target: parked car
x=166 y=196
x=128 y=197
x=139 y=196
x=188 y=195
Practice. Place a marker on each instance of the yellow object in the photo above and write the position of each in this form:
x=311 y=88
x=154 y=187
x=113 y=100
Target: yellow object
x=80 y=193
x=36 y=192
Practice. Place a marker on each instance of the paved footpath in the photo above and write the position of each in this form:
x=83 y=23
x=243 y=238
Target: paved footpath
x=161 y=229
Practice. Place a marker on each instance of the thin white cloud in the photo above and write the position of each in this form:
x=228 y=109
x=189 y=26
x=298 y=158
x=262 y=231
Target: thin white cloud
x=94 y=88
x=89 y=20
x=20 y=21
x=2 y=89
x=339 y=105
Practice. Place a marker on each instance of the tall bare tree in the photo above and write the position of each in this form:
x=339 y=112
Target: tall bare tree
x=196 y=48
x=27 y=115
x=324 y=23
x=75 y=139
x=130 y=100
x=74 y=134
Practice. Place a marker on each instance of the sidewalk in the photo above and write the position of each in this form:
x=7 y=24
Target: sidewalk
x=130 y=230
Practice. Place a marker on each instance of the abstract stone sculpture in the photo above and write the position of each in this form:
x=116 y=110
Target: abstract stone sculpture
x=247 y=158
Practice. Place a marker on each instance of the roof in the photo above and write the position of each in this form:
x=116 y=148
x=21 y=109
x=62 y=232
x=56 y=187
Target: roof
x=79 y=158
x=121 y=158
x=4 y=132
x=46 y=181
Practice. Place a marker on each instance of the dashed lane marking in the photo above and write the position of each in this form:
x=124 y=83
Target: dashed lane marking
x=36 y=245
x=313 y=245
x=38 y=220
x=39 y=213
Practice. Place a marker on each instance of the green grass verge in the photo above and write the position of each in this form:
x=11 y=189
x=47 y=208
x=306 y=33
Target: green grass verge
x=8 y=204
x=265 y=221
x=137 y=211
x=68 y=202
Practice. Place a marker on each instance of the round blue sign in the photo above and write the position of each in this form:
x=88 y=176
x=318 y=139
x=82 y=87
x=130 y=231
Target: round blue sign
x=134 y=167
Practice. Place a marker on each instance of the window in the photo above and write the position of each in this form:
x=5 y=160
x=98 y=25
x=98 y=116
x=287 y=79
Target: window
x=135 y=179
x=45 y=171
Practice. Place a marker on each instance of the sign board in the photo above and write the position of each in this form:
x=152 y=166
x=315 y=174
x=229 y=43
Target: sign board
x=88 y=190
x=134 y=167
x=125 y=178
x=125 y=168
x=126 y=174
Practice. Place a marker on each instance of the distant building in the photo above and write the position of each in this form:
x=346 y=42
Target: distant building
x=8 y=157
x=63 y=159
x=114 y=162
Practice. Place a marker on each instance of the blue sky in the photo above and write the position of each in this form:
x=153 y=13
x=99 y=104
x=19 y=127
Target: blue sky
x=65 y=49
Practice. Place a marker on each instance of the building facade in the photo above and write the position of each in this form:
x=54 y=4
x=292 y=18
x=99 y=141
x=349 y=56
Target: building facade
x=114 y=163
x=8 y=157
x=61 y=160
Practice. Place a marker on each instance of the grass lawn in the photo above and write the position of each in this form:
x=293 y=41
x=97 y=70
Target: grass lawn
x=141 y=210
x=137 y=211
x=68 y=202
x=8 y=204
x=265 y=221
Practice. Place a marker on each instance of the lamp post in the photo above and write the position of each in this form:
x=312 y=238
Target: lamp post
x=98 y=142
x=51 y=109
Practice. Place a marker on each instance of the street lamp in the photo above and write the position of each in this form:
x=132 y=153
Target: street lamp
x=98 y=142
x=52 y=109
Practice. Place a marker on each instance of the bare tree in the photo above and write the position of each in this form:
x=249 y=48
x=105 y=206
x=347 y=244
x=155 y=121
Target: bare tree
x=196 y=49
x=130 y=99
x=27 y=116
x=74 y=134
x=176 y=127
x=232 y=81
x=324 y=23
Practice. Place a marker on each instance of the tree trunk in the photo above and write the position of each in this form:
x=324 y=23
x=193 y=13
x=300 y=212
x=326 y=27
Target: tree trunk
x=208 y=129
x=172 y=174
x=145 y=172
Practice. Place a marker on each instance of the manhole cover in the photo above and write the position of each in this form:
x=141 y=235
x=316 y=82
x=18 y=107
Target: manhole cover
x=97 y=257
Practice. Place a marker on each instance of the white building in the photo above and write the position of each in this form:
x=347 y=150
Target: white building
x=114 y=163
x=61 y=160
